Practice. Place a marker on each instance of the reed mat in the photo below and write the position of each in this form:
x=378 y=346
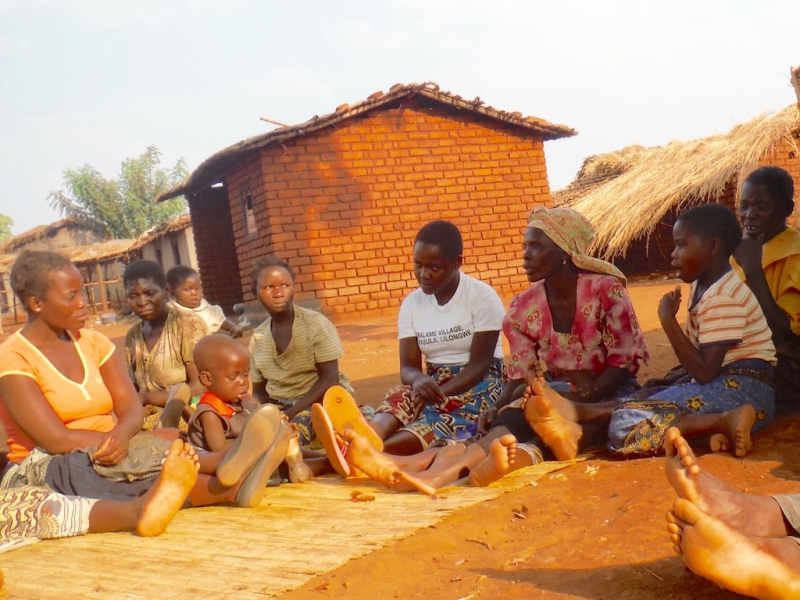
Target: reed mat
x=297 y=532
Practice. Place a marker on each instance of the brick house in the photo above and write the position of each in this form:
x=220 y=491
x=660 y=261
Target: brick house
x=342 y=196
x=634 y=196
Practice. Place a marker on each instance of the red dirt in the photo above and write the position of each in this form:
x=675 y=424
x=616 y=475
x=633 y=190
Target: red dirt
x=594 y=530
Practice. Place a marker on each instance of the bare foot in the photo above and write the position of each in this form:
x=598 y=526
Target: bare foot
x=379 y=466
x=539 y=387
x=738 y=423
x=502 y=454
x=719 y=442
x=162 y=502
x=681 y=467
x=745 y=513
x=560 y=433
x=298 y=470
x=713 y=550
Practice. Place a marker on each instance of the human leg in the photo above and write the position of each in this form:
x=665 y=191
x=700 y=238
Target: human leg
x=747 y=514
x=380 y=466
x=150 y=514
x=732 y=425
x=551 y=418
x=738 y=563
x=503 y=457
x=638 y=427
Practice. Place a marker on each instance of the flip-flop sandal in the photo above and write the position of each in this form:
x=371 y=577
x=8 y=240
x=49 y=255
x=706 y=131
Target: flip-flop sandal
x=323 y=428
x=252 y=489
x=257 y=436
x=343 y=412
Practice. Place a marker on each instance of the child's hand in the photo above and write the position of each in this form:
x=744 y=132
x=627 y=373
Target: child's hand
x=669 y=305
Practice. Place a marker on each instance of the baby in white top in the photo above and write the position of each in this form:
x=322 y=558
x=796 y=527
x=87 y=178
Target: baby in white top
x=186 y=294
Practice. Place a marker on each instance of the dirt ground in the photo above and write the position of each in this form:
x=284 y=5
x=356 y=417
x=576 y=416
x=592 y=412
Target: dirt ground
x=594 y=530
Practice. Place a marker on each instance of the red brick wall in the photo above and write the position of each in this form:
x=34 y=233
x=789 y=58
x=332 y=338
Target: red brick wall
x=343 y=205
x=215 y=247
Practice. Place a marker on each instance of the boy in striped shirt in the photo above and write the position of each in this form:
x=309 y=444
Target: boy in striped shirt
x=726 y=350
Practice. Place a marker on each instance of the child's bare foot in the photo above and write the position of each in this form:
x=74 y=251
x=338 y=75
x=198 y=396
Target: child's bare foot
x=738 y=423
x=162 y=502
x=560 y=433
x=502 y=454
x=713 y=550
x=379 y=466
x=298 y=471
x=745 y=513
x=257 y=436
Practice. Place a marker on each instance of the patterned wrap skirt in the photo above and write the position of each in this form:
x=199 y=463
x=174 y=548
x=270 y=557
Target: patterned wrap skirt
x=29 y=514
x=454 y=418
x=638 y=426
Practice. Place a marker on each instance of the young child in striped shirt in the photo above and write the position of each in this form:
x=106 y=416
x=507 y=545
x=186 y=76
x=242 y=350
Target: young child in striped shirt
x=726 y=350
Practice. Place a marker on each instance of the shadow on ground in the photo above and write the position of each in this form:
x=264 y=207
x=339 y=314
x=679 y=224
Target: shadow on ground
x=667 y=578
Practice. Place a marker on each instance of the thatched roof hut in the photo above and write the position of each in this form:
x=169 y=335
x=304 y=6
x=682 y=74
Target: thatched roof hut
x=60 y=234
x=628 y=194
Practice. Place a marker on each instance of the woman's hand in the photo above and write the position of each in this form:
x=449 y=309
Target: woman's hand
x=424 y=390
x=669 y=305
x=112 y=449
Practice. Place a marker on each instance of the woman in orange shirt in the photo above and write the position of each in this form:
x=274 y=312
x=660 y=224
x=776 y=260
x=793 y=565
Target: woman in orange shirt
x=73 y=417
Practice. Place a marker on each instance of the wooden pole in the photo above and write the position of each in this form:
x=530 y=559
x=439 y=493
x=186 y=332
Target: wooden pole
x=103 y=296
x=275 y=122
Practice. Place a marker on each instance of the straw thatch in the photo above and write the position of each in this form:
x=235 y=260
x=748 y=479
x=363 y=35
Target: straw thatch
x=100 y=252
x=212 y=168
x=40 y=232
x=626 y=194
x=173 y=225
x=297 y=532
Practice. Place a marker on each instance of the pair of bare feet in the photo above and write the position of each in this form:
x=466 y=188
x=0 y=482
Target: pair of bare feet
x=734 y=539
x=555 y=420
x=427 y=471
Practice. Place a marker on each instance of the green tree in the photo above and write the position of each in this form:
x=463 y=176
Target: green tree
x=5 y=227
x=123 y=207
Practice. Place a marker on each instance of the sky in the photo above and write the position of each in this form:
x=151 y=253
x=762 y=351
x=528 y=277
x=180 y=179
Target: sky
x=96 y=82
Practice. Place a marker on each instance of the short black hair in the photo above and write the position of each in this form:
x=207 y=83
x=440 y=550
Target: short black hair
x=144 y=269
x=443 y=234
x=30 y=275
x=178 y=274
x=715 y=221
x=779 y=185
x=266 y=263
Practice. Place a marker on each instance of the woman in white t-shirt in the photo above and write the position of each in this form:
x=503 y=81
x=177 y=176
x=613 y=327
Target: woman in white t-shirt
x=453 y=321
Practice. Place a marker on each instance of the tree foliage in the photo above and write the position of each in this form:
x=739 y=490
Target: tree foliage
x=123 y=207
x=5 y=227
